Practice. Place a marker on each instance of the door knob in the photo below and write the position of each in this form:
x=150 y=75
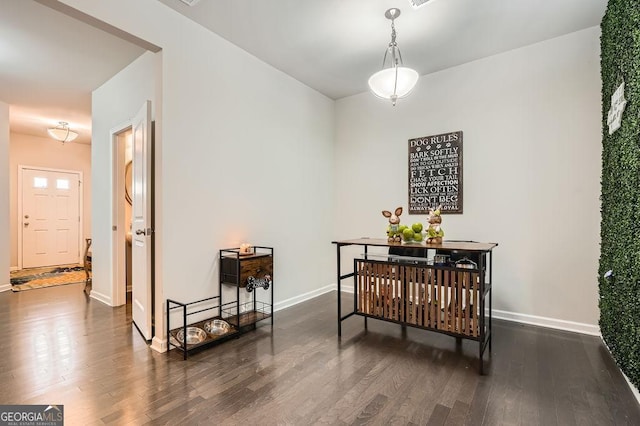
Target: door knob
x=26 y=216
x=26 y=224
x=140 y=232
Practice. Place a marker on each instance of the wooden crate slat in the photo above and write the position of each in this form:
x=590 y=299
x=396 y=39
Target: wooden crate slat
x=361 y=287
x=467 y=307
x=475 y=305
x=398 y=284
x=422 y=289
x=446 y=301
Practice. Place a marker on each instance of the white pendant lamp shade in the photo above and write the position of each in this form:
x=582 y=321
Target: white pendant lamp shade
x=394 y=80
x=62 y=132
x=398 y=81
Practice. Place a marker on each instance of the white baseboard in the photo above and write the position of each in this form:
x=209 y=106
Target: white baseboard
x=558 y=324
x=13 y=268
x=345 y=288
x=159 y=345
x=103 y=298
x=634 y=390
x=5 y=287
x=303 y=297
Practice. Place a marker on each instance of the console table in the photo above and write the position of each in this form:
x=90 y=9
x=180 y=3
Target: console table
x=447 y=293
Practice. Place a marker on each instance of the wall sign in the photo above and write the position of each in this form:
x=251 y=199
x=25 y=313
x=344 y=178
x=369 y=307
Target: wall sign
x=618 y=102
x=435 y=173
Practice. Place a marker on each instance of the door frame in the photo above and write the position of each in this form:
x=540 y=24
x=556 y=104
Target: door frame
x=21 y=168
x=118 y=225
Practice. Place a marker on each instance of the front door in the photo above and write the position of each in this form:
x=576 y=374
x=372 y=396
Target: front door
x=141 y=222
x=50 y=222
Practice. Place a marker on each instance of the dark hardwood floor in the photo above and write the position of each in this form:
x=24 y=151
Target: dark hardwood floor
x=59 y=347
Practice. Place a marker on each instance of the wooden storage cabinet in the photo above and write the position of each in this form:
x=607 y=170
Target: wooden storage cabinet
x=412 y=291
x=253 y=274
x=256 y=265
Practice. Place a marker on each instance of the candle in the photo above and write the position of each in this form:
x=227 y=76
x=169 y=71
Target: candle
x=245 y=248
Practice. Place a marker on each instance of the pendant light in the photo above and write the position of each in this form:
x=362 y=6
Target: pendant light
x=394 y=80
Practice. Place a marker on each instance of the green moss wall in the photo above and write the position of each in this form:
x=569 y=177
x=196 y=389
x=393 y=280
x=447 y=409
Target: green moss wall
x=620 y=229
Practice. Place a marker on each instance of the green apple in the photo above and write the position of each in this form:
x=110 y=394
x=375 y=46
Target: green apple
x=417 y=227
x=408 y=234
x=402 y=228
x=417 y=237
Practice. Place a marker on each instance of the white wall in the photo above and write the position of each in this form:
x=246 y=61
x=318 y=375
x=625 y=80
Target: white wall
x=531 y=123
x=28 y=150
x=4 y=197
x=246 y=155
x=114 y=104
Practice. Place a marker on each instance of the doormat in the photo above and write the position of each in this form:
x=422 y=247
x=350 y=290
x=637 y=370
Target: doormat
x=29 y=279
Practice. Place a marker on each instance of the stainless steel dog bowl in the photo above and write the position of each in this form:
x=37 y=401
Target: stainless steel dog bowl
x=195 y=335
x=216 y=327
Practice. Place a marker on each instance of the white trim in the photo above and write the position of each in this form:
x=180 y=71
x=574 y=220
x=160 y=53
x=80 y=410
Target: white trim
x=19 y=196
x=283 y=304
x=5 y=287
x=79 y=173
x=103 y=298
x=634 y=390
x=13 y=268
x=159 y=345
x=576 y=327
x=345 y=289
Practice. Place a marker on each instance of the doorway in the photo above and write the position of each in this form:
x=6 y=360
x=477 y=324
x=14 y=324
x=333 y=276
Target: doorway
x=122 y=155
x=50 y=216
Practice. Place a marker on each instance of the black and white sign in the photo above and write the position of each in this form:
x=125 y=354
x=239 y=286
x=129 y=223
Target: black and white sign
x=435 y=173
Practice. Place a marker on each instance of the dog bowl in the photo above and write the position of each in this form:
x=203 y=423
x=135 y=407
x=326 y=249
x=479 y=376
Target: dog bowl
x=217 y=327
x=195 y=335
x=466 y=263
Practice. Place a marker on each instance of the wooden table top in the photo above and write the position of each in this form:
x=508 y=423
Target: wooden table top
x=446 y=245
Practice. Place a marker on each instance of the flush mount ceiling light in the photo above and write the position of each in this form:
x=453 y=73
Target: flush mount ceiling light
x=394 y=80
x=62 y=132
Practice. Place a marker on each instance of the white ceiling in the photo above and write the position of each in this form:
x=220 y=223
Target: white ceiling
x=50 y=63
x=335 y=45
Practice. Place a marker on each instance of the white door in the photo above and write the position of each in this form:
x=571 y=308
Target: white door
x=141 y=221
x=50 y=218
